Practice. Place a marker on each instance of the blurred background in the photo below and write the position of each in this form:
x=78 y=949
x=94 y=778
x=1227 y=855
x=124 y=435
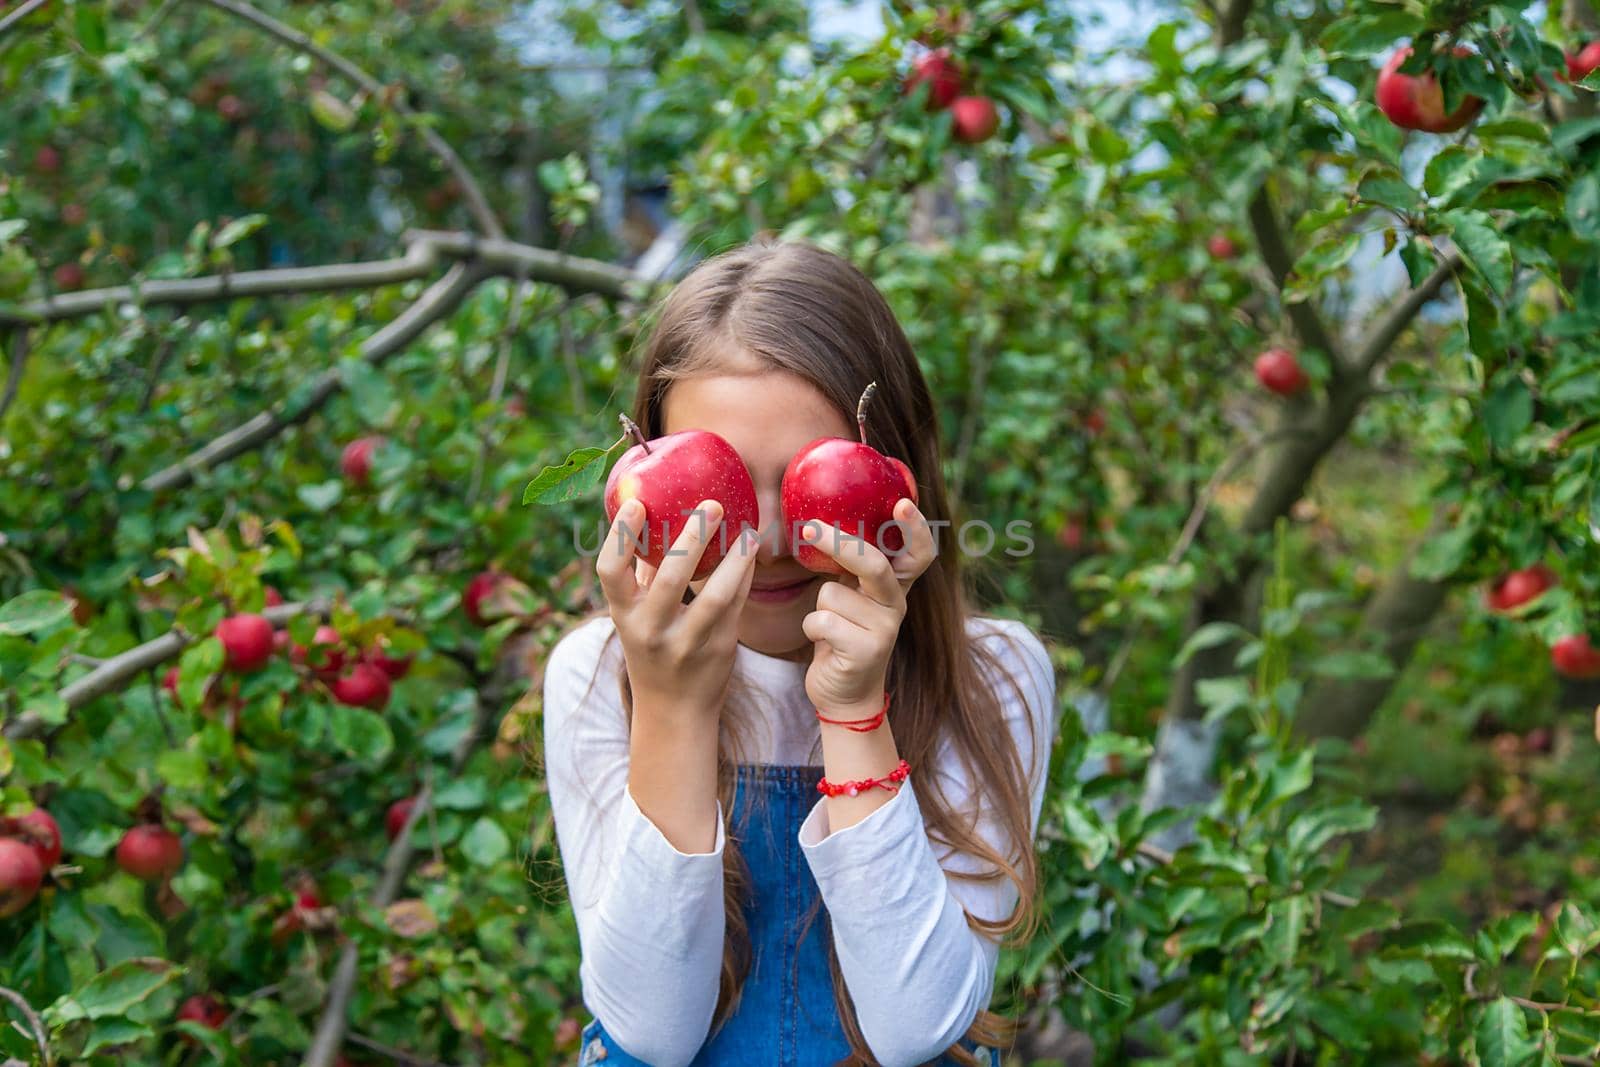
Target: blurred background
x=1282 y=341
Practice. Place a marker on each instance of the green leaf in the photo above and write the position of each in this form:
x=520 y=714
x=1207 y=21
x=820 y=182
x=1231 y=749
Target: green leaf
x=108 y=1033
x=1369 y=34
x=1353 y=663
x=1388 y=190
x=1451 y=170
x=1500 y=938
x=1210 y=635
x=1482 y=246
x=1317 y=262
x=577 y=475
x=114 y=991
x=1441 y=556
x=1502 y=1038
x=321 y=496
x=238 y=230
x=1431 y=940
x=182 y=769
x=331 y=112
x=1222 y=697
x=90 y=22
x=1583 y=206
x=360 y=733
x=37 y=609
x=1507 y=412
x=485 y=843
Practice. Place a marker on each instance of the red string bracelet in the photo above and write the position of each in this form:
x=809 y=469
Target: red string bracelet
x=890 y=781
x=860 y=726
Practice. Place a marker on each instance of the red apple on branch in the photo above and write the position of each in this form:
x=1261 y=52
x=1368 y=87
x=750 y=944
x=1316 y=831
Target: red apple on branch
x=326 y=656
x=1416 y=101
x=21 y=875
x=39 y=831
x=150 y=852
x=396 y=667
x=478 y=590
x=848 y=484
x=68 y=277
x=246 y=640
x=1278 y=371
x=1574 y=657
x=942 y=76
x=394 y=820
x=356 y=460
x=670 y=476
x=47 y=160
x=1519 y=587
x=973 y=119
x=205 y=1010
x=364 y=686
x=1221 y=246
x=1583 y=61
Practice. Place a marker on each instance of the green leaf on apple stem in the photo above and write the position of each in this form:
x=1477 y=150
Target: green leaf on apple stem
x=578 y=474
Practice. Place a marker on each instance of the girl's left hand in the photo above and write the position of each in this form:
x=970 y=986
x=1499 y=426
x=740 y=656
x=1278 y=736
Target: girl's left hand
x=858 y=617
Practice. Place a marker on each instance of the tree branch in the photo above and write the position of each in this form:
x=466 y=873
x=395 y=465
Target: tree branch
x=1308 y=325
x=1388 y=331
x=21 y=13
x=440 y=300
x=572 y=273
x=34 y=1023
x=17 y=358
x=476 y=202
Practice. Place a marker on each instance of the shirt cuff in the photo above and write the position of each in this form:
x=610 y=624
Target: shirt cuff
x=847 y=860
x=661 y=897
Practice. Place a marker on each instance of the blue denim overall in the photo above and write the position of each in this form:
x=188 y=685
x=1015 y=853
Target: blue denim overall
x=787 y=1016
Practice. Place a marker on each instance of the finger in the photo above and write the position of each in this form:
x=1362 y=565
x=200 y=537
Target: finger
x=835 y=629
x=921 y=548
x=614 y=566
x=859 y=557
x=725 y=591
x=672 y=577
x=855 y=606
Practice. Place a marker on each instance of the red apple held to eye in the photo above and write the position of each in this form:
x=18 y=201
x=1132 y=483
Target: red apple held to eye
x=39 y=831
x=356 y=460
x=150 y=852
x=848 y=484
x=1278 y=371
x=21 y=875
x=1574 y=657
x=394 y=820
x=1583 y=61
x=670 y=476
x=365 y=686
x=1416 y=101
x=973 y=119
x=942 y=75
x=246 y=640
x=1520 y=587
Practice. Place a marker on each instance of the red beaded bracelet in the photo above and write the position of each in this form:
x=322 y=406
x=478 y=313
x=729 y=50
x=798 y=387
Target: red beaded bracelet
x=860 y=726
x=890 y=781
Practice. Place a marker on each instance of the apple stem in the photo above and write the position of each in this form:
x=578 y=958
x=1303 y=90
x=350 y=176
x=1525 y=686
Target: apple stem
x=632 y=429
x=861 y=409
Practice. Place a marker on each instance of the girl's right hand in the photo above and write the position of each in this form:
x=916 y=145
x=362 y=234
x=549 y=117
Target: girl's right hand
x=678 y=655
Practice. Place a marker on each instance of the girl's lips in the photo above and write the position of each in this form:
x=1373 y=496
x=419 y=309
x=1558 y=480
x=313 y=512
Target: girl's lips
x=782 y=593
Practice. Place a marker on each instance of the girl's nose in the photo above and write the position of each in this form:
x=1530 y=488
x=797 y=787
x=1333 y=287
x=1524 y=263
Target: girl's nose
x=774 y=538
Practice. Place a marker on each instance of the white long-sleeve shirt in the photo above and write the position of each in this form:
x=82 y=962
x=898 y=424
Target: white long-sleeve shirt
x=650 y=918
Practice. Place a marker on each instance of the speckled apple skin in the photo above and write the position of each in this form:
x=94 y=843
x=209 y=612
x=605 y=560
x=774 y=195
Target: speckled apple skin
x=680 y=470
x=1416 y=101
x=845 y=484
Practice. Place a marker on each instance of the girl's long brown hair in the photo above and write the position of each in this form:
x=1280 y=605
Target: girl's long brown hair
x=795 y=307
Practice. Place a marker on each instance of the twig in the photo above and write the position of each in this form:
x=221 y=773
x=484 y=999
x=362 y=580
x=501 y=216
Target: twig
x=497 y=388
x=21 y=13
x=32 y=1016
x=438 y=301
x=255 y=994
x=1388 y=331
x=397 y=1055
x=477 y=203
x=156 y=20
x=17 y=357
x=1157 y=854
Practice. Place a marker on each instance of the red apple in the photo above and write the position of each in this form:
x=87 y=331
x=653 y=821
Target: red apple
x=68 y=277
x=848 y=484
x=21 y=875
x=1221 y=246
x=204 y=1009
x=1519 y=587
x=364 y=687
x=394 y=820
x=1416 y=102
x=231 y=108
x=326 y=656
x=1094 y=423
x=1574 y=657
x=47 y=160
x=74 y=214
x=272 y=596
x=477 y=591
x=150 y=852
x=1584 y=60
x=247 y=640
x=973 y=119
x=670 y=476
x=169 y=682
x=942 y=75
x=396 y=667
x=356 y=462
x=306 y=899
x=1278 y=371
x=1070 y=536
x=38 y=830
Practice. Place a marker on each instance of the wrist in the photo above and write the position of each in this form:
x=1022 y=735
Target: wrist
x=868 y=707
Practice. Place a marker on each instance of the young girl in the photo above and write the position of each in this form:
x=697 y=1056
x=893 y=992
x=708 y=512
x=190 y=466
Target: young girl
x=702 y=736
